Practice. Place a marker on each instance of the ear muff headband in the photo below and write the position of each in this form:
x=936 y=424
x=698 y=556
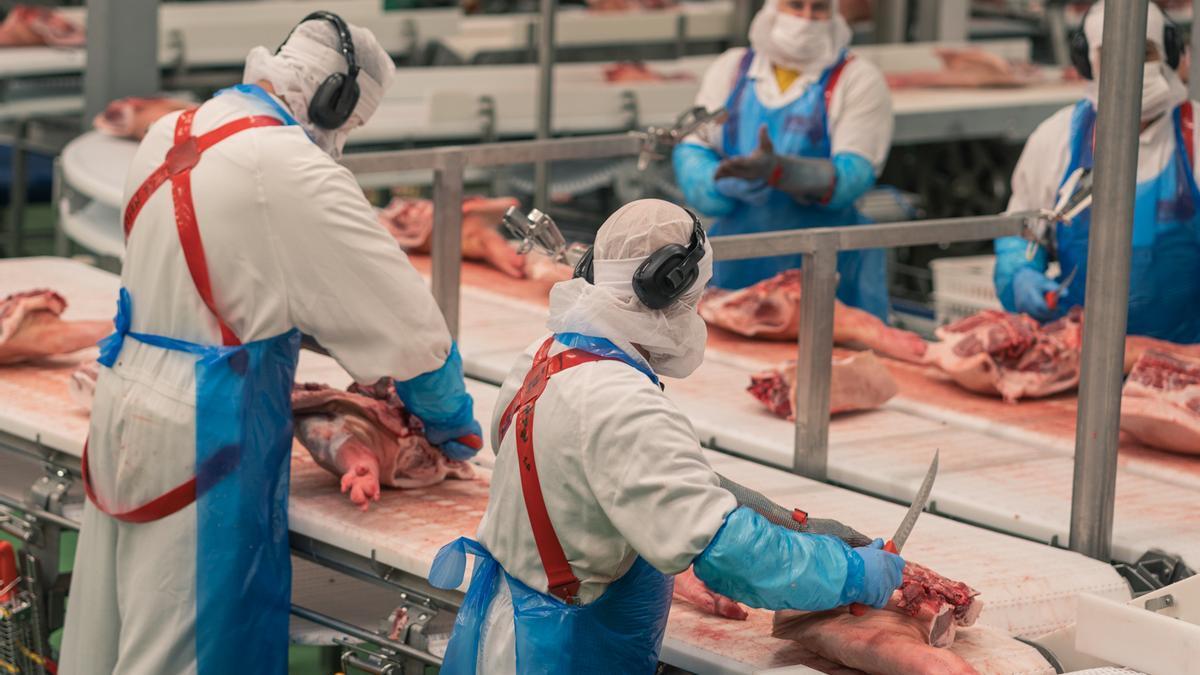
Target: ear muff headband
x=335 y=98
x=665 y=275
x=1081 y=52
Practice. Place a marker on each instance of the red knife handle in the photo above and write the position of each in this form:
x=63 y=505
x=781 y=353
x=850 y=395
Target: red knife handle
x=473 y=441
x=1051 y=300
x=859 y=609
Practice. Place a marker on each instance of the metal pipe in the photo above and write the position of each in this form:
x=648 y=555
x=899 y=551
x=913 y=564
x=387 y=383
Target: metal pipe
x=1193 y=50
x=18 y=190
x=122 y=52
x=1056 y=24
x=814 y=363
x=891 y=22
x=1118 y=126
x=496 y=154
x=365 y=635
x=541 y=174
x=446 y=254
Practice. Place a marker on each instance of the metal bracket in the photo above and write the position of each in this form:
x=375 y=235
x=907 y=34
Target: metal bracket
x=487 y=119
x=178 y=46
x=1160 y=603
x=629 y=106
x=1154 y=570
x=408 y=30
x=49 y=493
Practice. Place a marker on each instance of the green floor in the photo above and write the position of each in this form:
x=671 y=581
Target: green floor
x=39 y=222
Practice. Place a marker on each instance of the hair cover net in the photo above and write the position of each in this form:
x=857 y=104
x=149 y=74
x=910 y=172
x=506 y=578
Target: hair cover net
x=1093 y=28
x=310 y=55
x=801 y=44
x=673 y=337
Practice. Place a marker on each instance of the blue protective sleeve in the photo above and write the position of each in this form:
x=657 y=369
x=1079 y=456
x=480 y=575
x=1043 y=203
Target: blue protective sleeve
x=764 y=565
x=439 y=398
x=854 y=175
x=1010 y=257
x=694 y=169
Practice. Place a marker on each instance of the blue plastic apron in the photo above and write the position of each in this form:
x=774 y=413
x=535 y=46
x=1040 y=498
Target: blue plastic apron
x=801 y=129
x=619 y=632
x=243 y=449
x=1164 y=286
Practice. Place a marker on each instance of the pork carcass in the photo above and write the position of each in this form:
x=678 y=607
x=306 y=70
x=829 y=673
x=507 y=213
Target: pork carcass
x=131 y=117
x=969 y=68
x=27 y=26
x=82 y=385
x=995 y=352
x=1160 y=404
x=858 y=382
x=910 y=635
x=30 y=327
x=365 y=436
x=410 y=222
x=770 y=310
x=689 y=588
x=637 y=71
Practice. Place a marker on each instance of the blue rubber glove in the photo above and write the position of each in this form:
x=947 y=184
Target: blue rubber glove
x=1029 y=293
x=764 y=565
x=882 y=574
x=440 y=400
x=1010 y=259
x=694 y=168
x=752 y=192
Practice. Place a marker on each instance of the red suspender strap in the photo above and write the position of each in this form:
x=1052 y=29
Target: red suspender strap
x=161 y=506
x=177 y=166
x=1187 y=127
x=562 y=582
x=831 y=83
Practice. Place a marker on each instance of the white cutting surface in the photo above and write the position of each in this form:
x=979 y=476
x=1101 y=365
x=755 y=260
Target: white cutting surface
x=1029 y=588
x=36 y=61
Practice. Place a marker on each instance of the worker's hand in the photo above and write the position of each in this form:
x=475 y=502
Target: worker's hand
x=1029 y=293
x=752 y=192
x=757 y=166
x=882 y=573
x=460 y=443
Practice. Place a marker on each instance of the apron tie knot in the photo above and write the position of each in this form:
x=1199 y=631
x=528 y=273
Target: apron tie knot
x=110 y=347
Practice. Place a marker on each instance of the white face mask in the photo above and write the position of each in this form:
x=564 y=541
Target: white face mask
x=803 y=40
x=1158 y=92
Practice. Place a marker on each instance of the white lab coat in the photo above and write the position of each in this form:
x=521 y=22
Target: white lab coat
x=860 y=109
x=1047 y=154
x=290 y=242
x=622 y=475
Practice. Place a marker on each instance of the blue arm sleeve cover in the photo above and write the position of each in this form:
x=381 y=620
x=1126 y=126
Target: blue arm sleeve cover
x=439 y=397
x=1010 y=257
x=694 y=169
x=763 y=565
x=854 y=175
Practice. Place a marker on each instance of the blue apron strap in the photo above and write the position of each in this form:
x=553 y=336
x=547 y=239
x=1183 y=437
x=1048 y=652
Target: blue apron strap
x=602 y=347
x=450 y=563
x=255 y=91
x=733 y=104
x=110 y=347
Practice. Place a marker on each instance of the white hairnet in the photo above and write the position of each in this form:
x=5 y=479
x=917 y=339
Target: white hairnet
x=311 y=54
x=674 y=337
x=1093 y=28
x=814 y=47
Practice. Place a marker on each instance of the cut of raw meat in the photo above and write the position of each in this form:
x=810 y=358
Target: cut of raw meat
x=1160 y=404
x=627 y=5
x=770 y=310
x=30 y=327
x=131 y=117
x=636 y=71
x=410 y=222
x=27 y=26
x=542 y=268
x=82 y=385
x=969 y=68
x=688 y=587
x=367 y=437
x=908 y=636
x=859 y=382
x=995 y=352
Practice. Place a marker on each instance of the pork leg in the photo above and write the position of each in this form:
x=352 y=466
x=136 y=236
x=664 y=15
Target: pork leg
x=689 y=587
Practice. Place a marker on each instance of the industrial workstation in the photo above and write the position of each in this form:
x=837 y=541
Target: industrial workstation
x=794 y=290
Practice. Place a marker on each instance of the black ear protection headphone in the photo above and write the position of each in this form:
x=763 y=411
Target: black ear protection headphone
x=1081 y=53
x=335 y=99
x=665 y=275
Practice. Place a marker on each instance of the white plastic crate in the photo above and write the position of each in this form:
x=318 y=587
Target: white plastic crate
x=963 y=286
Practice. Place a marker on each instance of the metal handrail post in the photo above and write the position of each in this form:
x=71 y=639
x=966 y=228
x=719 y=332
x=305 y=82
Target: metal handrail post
x=446 y=256
x=1097 y=431
x=814 y=363
x=1194 y=82
x=545 y=110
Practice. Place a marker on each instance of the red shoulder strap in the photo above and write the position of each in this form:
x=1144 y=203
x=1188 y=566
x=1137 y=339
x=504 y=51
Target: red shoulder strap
x=562 y=582
x=834 y=76
x=1187 y=127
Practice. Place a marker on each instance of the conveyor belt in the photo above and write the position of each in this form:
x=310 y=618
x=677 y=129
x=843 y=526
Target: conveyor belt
x=1029 y=588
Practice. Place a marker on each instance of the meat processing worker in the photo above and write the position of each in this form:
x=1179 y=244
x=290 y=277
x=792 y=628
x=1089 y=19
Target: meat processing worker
x=1164 y=289
x=242 y=231
x=808 y=131
x=600 y=492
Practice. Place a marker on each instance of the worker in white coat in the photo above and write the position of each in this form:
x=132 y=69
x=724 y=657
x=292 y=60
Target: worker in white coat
x=1164 y=289
x=600 y=492
x=808 y=130
x=241 y=232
